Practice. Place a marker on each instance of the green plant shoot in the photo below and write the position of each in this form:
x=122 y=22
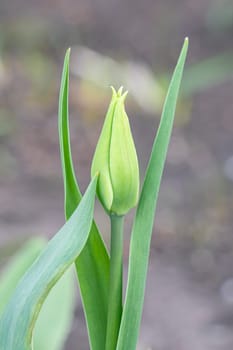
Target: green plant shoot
x=112 y=323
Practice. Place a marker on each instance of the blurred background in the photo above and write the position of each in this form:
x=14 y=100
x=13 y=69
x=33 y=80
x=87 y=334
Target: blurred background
x=189 y=297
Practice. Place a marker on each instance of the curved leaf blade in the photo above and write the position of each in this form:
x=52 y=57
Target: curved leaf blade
x=143 y=223
x=18 y=319
x=51 y=330
x=72 y=194
x=17 y=266
x=93 y=263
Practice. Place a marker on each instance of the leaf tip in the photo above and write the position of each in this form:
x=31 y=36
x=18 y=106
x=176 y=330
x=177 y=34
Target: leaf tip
x=67 y=55
x=186 y=41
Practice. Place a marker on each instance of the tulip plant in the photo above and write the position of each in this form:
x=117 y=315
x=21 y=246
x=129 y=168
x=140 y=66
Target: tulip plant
x=112 y=323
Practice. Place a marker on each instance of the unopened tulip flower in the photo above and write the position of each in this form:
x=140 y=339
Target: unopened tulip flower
x=115 y=160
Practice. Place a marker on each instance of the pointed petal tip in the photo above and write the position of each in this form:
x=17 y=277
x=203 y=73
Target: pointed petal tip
x=119 y=92
x=123 y=97
x=114 y=93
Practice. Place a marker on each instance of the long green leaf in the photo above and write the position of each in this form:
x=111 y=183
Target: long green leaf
x=18 y=319
x=143 y=223
x=93 y=264
x=17 y=266
x=51 y=329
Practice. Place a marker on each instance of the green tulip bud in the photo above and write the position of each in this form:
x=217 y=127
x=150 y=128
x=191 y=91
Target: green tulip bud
x=115 y=160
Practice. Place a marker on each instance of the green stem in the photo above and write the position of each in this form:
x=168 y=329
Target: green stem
x=115 y=283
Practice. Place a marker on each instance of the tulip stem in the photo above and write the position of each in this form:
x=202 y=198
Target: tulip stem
x=115 y=283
